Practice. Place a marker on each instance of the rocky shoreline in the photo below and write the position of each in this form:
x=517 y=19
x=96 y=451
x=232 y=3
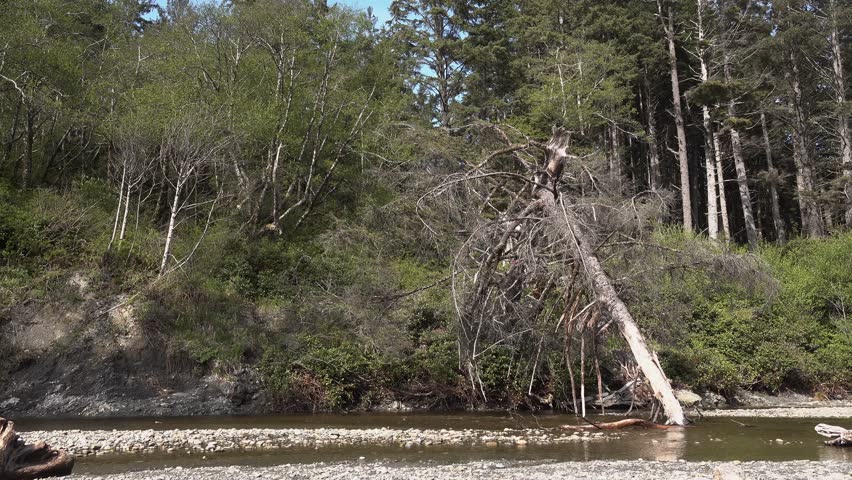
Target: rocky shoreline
x=99 y=442
x=783 y=412
x=610 y=470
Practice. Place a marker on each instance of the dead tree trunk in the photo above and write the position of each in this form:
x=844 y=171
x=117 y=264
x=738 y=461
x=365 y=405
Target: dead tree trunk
x=19 y=461
x=839 y=435
x=605 y=294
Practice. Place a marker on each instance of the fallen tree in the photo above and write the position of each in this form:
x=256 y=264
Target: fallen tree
x=617 y=425
x=601 y=285
x=19 y=461
x=531 y=258
x=840 y=436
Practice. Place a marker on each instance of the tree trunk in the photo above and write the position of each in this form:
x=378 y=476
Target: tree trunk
x=653 y=150
x=126 y=210
x=167 y=249
x=118 y=207
x=604 y=292
x=710 y=168
x=811 y=219
x=710 y=171
x=27 y=173
x=683 y=160
x=780 y=232
x=720 y=180
x=19 y=461
x=739 y=164
x=610 y=302
x=843 y=116
x=615 y=160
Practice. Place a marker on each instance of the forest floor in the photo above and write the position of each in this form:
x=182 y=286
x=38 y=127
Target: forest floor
x=612 y=470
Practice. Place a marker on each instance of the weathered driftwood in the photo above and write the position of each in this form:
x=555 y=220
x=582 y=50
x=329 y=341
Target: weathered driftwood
x=627 y=422
x=840 y=436
x=19 y=461
x=604 y=290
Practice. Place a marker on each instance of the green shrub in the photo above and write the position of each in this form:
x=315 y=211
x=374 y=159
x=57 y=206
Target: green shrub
x=335 y=372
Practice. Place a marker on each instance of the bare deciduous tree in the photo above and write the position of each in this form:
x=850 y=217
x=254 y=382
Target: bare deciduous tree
x=190 y=148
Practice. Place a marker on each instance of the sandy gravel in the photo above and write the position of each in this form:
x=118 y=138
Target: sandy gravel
x=784 y=412
x=97 y=442
x=612 y=470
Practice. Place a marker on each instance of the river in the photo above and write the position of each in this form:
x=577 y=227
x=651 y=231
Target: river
x=711 y=439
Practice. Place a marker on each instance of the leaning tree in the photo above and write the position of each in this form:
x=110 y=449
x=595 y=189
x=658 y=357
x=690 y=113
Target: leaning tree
x=531 y=270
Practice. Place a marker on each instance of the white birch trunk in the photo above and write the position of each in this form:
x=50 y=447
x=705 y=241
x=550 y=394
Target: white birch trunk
x=167 y=249
x=126 y=210
x=118 y=208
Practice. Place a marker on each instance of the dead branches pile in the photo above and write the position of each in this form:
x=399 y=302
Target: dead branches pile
x=530 y=275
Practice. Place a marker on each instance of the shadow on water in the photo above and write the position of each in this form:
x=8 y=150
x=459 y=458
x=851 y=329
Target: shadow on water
x=717 y=438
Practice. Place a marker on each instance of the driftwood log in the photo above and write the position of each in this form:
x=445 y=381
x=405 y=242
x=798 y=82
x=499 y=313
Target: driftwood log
x=19 y=461
x=627 y=422
x=840 y=437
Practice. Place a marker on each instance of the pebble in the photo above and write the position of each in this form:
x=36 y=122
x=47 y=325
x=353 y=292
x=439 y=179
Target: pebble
x=204 y=441
x=611 y=470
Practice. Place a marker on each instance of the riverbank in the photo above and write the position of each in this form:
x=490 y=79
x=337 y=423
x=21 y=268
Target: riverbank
x=611 y=470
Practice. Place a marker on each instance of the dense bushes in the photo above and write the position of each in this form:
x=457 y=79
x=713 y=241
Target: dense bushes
x=791 y=333
x=338 y=320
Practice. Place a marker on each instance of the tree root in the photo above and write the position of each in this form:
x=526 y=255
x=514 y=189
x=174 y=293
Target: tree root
x=19 y=461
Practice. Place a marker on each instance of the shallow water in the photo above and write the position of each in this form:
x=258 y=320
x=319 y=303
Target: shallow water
x=716 y=438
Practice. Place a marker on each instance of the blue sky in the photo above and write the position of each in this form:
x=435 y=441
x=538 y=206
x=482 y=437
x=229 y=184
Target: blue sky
x=380 y=7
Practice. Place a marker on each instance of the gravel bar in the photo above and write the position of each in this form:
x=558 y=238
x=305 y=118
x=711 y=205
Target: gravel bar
x=783 y=412
x=98 y=442
x=610 y=470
